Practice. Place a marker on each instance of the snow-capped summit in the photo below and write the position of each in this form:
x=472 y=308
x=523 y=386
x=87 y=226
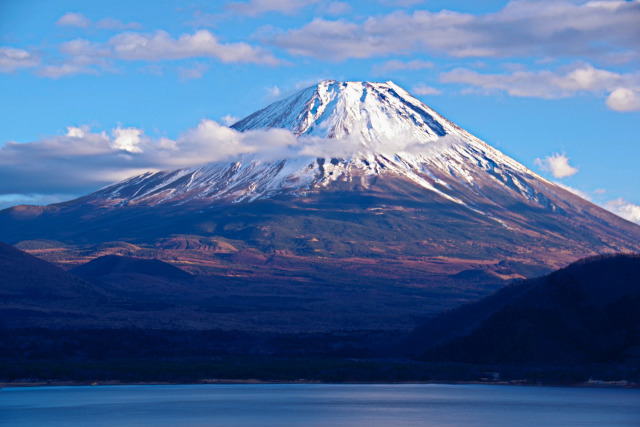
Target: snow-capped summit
x=385 y=130
x=372 y=112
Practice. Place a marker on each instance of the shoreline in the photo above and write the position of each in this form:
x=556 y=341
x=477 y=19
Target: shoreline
x=54 y=383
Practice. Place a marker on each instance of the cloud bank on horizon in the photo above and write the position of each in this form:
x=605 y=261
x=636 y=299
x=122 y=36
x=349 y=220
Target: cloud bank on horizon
x=579 y=51
x=81 y=159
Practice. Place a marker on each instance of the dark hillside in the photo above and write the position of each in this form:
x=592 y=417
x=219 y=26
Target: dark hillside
x=588 y=312
x=114 y=264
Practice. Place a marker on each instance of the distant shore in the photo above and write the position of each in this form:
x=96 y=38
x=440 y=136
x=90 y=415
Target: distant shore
x=43 y=383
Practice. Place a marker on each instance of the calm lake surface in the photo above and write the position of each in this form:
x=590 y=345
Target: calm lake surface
x=317 y=405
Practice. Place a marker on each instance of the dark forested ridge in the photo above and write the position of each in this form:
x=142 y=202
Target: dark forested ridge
x=588 y=312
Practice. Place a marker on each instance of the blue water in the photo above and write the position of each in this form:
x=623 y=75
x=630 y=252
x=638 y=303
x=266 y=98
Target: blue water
x=318 y=405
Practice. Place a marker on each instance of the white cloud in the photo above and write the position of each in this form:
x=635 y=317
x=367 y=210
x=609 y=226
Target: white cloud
x=82 y=160
x=542 y=29
x=73 y=19
x=12 y=59
x=543 y=84
x=338 y=8
x=260 y=7
x=161 y=46
x=557 y=164
x=273 y=92
x=116 y=24
x=228 y=120
x=78 y=20
x=195 y=72
x=155 y=69
x=332 y=40
x=127 y=139
x=396 y=65
x=576 y=80
x=77 y=131
x=61 y=164
x=57 y=71
x=624 y=99
x=573 y=190
x=422 y=89
x=8 y=200
x=624 y=209
x=620 y=207
x=81 y=48
x=80 y=56
x=401 y=3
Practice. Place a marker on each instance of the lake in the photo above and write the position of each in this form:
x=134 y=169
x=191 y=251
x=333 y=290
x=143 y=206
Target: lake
x=317 y=405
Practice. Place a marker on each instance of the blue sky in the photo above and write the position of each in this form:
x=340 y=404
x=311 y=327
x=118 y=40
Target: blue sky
x=94 y=91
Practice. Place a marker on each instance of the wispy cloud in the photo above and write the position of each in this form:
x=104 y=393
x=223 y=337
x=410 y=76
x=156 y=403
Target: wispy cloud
x=337 y=8
x=228 y=120
x=624 y=209
x=73 y=19
x=422 y=89
x=79 y=20
x=260 y=7
x=12 y=59
x=620 y=206
x=273 y=92
x=193 y=72
x=397 y=65
x=8 y=200
x=623 y=90
x=81 y=56
x=557 y=164
x=574 y=190
x=82 y=160
x=116 y=24
x=161 y=46
x=608 y=31
x=401 y=3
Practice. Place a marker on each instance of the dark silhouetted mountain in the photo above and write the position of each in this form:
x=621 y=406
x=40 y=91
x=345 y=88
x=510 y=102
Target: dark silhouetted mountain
x=25 y=276
x=35 y=292
x=115 y=264
x=588 y=312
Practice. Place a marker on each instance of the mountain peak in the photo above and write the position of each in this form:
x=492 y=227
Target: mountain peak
x=370 y=111
x=381 y=130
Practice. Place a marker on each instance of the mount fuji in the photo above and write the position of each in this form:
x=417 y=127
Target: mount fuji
x=354 y=133
x=373 y=186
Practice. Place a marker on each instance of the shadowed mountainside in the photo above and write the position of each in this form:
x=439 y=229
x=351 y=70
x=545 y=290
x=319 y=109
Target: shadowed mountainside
x=260 y=294
x=588 y=312
x=114 y=264
x=33 y=290
x=578 y=323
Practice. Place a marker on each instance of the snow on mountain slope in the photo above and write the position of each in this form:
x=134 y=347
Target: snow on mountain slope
x=354 y=132
x=374 y=112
